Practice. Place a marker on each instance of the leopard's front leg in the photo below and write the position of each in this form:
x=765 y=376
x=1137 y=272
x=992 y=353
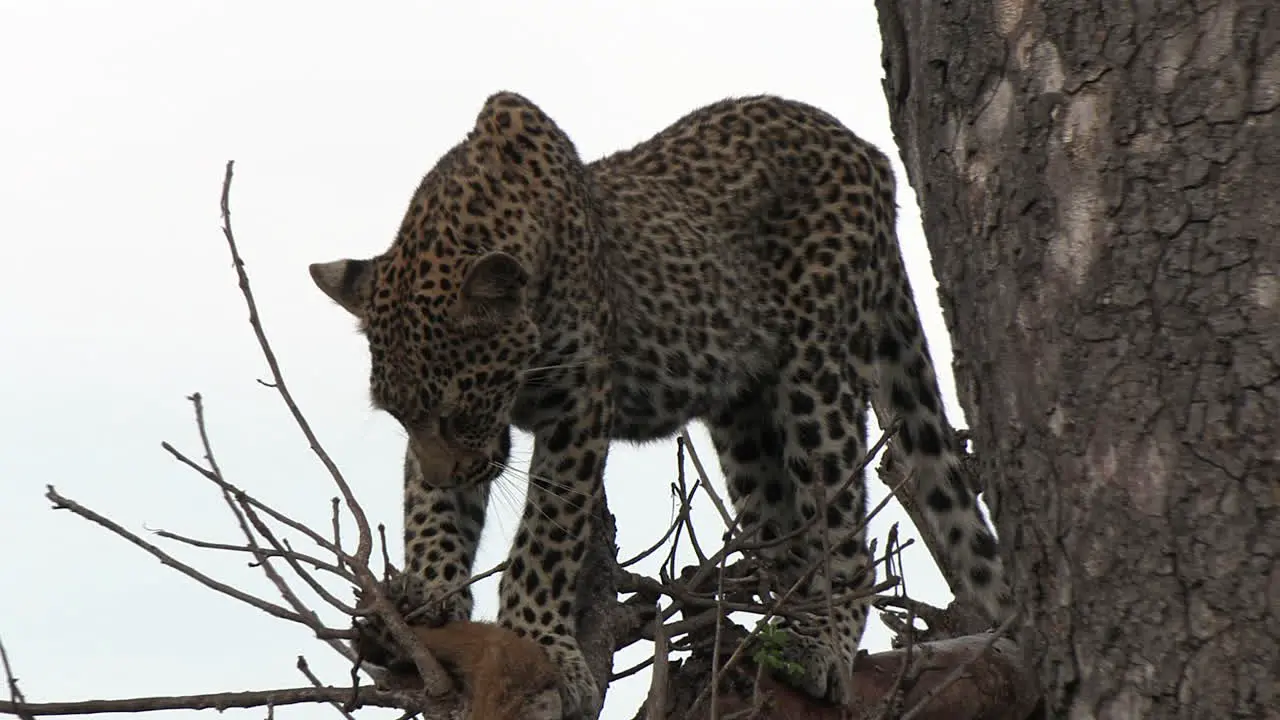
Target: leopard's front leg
x=442 y=533
x=539 y=589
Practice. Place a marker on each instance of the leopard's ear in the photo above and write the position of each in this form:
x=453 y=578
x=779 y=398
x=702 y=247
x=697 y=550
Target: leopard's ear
x=505 y=114
x=347 y=282
x=494 y=285
x=524 y=150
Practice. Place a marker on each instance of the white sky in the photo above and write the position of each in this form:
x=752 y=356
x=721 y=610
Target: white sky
x=120 y=300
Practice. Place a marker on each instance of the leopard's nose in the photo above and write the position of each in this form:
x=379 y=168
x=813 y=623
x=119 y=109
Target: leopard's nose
x=441 y=460
x=436 y=458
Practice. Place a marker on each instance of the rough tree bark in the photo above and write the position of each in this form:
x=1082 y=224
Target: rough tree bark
x=1100 y=187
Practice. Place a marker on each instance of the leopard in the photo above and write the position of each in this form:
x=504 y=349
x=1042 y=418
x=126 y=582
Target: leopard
x=740 y=269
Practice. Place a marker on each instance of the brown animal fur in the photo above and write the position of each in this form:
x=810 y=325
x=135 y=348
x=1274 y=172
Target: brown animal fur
x=506 y=676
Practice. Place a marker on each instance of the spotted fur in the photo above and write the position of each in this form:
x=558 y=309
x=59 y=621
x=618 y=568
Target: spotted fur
x=740 y=268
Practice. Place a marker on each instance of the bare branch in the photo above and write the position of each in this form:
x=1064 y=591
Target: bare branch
x=243 y=512
x=62 y=503
x=315 y=562
x=652 y=548
x=657 y=702
x=722 y=616
x=16 y=698
x=686 y=495
x=305 y=669
x=435 y=681
x=366 y=697
x=283 y=549
x=274 y=514
x=337 y=530
x=365 y=546
x=706 y=481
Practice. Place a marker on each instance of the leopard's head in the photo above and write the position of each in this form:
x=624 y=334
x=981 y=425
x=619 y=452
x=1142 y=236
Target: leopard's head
x=446 y=314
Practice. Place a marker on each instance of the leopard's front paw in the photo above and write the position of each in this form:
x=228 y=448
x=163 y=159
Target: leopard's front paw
x=543 y=706
x=422 y=602
x=579 y=695
x=813 y=664
x=419 y=603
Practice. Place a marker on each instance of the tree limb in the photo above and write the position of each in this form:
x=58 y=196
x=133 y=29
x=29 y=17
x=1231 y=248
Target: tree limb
x=364 y=697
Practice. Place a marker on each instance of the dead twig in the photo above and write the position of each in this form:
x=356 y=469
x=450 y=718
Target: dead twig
x=657 y=702
x=314 y=562
x=435 y=681
x=686 y=509
x=654 y=547
x=721 y=508
x=282 y=548
x=63 y=503
x=715 y=649
x=16 y=698
x=367 y=697
x=271 y=512
x=245 y=516
x=305 y=669
x=337 y=529
x=365 y=546
x=891 y=705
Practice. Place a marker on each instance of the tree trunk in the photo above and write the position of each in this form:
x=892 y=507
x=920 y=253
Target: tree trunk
x=1100 y=187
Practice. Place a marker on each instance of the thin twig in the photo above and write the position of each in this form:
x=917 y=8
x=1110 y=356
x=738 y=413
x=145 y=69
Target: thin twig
x=652 y=548
x=892 y=566
x=17 y=699
x=702 y=474
x=386 y=558
x=367 y=697
x=305 y=669
x=282 y=547
x=829 y=605
x=681 y=508
x=435 y=681
x=365 y=546
x=742 y=542
x=773 y=612
x=62 y=503
x=687 y=600
x=274 y=514
x=337 y=530
x=244 y=514
x=715 y=650
x=857 y=474
x=893 y=698
x=315 y=562
x=686 y=514
x=481 y=576
x=657 y=702
x=424 y=610
x=631 y=670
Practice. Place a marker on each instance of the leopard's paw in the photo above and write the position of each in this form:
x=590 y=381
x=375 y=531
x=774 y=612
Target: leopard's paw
x=813 y=664
x=579 y=694
x=546 y=705
x=419 y=603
